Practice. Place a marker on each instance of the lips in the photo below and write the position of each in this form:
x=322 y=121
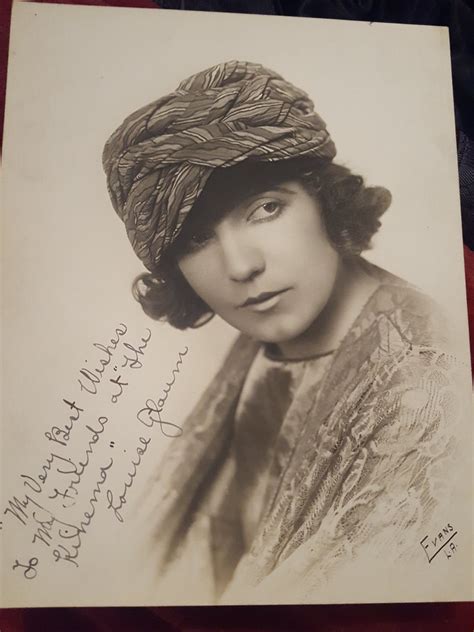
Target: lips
x=262 y=298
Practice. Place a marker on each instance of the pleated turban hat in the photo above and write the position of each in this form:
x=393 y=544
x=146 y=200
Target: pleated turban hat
x=158 y=161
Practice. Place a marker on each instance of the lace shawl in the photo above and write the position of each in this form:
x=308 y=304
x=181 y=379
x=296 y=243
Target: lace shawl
x=266 y=431
x=367 y=469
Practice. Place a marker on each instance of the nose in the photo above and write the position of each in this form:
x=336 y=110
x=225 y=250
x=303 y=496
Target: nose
x=242 y=259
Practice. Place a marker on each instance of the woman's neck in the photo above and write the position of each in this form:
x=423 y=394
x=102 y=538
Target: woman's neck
x=352 y=289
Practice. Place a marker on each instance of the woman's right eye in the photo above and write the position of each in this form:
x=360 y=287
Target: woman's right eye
x=200 y=239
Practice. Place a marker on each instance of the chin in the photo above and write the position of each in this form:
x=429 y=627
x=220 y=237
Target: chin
x=283 y=332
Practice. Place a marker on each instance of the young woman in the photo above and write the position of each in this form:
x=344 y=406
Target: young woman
x=323 y=435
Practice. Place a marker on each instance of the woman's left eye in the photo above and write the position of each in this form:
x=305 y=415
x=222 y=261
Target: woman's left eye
x=266 y=210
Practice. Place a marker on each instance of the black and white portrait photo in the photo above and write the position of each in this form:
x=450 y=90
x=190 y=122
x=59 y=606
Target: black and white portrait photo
x=234 y=313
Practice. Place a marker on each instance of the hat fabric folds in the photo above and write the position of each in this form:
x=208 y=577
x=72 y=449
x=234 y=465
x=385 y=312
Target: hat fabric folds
x=158 y=161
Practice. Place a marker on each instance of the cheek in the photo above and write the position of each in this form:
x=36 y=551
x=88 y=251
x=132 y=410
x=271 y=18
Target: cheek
x=202 y=276
x=321 y=274
x=315 y=266
x=306 y=252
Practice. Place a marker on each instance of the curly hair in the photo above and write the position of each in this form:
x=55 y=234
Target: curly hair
x=350 y=211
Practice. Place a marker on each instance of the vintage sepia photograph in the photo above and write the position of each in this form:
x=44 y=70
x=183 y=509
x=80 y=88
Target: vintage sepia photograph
x=233 y=284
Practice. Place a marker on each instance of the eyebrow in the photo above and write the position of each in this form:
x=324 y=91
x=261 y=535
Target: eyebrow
x=278 y=188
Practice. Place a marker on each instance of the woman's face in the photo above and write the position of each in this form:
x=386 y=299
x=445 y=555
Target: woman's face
x=267 y=267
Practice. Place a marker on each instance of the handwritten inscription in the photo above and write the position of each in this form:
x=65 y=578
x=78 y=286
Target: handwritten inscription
x=29 y=569
x=60 y=499
x=116 y=505
x=442 y=542
x=149 y=415
x=61 y=435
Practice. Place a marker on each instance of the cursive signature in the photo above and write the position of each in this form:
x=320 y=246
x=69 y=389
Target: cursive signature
x=116 y=506
x=150 y=414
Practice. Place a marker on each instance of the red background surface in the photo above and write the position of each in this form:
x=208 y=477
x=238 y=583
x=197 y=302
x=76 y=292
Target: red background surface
x=452 y=617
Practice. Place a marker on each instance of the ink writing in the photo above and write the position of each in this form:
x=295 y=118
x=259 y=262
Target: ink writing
x=29 y=569
x=116 y=505
x=90 y=378
x=149 y=416
x=442 y=542
x=151 y=413
x=61 y=496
